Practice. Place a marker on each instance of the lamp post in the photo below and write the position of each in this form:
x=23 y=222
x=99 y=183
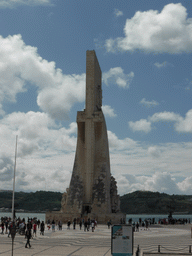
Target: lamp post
x=13 y=197
x=13 y=228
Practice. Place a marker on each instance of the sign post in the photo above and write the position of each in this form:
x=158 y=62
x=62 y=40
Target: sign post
x=122 y=240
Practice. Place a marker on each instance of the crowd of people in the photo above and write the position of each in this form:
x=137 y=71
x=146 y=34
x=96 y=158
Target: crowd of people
x=144 y=224
x=30 y=226
x=27 y=228
x=87 y=224
x=22 y=225
x=33 y=225
x=174 y=221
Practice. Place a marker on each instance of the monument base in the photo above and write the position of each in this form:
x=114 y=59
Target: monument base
x=115 y=218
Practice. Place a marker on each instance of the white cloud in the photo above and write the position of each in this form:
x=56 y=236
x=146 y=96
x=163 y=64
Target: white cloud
x=108 y=111
x=141 y=125
x=165 y=116
x=118 y=13
x=46 y=153
x=13 y=3
x=110 y=45
x=43 y=148
x=152 y=31
x=20 y=64
x=162 y=182
x=149 y=103
x=186 y=185
x=136 y=158
x=36 y=131
x=180 y=124
x=116 y=144
x=161 y=65
x=185 y=124
x=154 y=151
x=164 y=64
x=58 y=99
x=6 y=168
x=117 y=76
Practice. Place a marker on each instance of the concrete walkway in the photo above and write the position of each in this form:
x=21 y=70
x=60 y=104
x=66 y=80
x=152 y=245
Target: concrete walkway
x=170 y=239
x=79 y=243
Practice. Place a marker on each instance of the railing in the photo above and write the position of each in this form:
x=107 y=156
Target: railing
x=166 y=250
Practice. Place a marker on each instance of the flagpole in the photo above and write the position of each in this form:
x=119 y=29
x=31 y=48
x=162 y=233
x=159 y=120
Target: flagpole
x=13 y=197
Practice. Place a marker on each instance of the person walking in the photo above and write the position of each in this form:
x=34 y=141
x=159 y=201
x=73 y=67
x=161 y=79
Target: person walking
x=34 y=229
x=28 y=236
x=80 y=224
x=88 y=224
x=53 y=225
x=137 y=227
x=42 y=228
x=93 y=225
x=85 y=225
x=74 y=223
x=38 y=223
x=2 y=227
x=6 y=226
x=60 y=225
x=109 y=224
x=9 y=228
x=68 y=224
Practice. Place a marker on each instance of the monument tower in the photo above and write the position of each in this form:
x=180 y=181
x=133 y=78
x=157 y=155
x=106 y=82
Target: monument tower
x=93 y=190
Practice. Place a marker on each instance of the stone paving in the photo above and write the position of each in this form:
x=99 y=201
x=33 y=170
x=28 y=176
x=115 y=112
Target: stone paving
x=174 y=239
x=171 y=238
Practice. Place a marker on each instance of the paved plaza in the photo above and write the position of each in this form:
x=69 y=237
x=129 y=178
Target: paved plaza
x=71 y=242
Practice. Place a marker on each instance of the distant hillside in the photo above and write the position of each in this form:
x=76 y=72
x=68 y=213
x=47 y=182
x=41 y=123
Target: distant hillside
x=155 y=203
x=37 y=201
x=138 y=202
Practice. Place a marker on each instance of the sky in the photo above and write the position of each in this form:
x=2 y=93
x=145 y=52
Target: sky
x=145 y=53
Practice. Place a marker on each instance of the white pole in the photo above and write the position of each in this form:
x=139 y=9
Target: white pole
x=13 y=197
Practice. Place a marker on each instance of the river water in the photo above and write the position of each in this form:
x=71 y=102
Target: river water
x=134 y=217
x=39 y=216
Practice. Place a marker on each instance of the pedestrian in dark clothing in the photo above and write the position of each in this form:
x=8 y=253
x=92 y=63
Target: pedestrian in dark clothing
x=53 y=225
x=80 y=224
x=85 y=225
x=42 y=228
x=2 y=227
x=29 y=225
x=10 y=227
x=28 y=236
x=74 y=223
x=68 y=224
x=88 y=224
x=137 y=227
x=60 y=225
x=38 y=223
x=6 y=226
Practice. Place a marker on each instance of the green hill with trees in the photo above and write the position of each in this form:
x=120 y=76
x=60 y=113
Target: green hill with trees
x=138 y=202
x=148 y=202
x=33 y=201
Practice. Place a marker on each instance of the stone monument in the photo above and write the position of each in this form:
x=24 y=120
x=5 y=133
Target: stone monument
x=92 y=192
